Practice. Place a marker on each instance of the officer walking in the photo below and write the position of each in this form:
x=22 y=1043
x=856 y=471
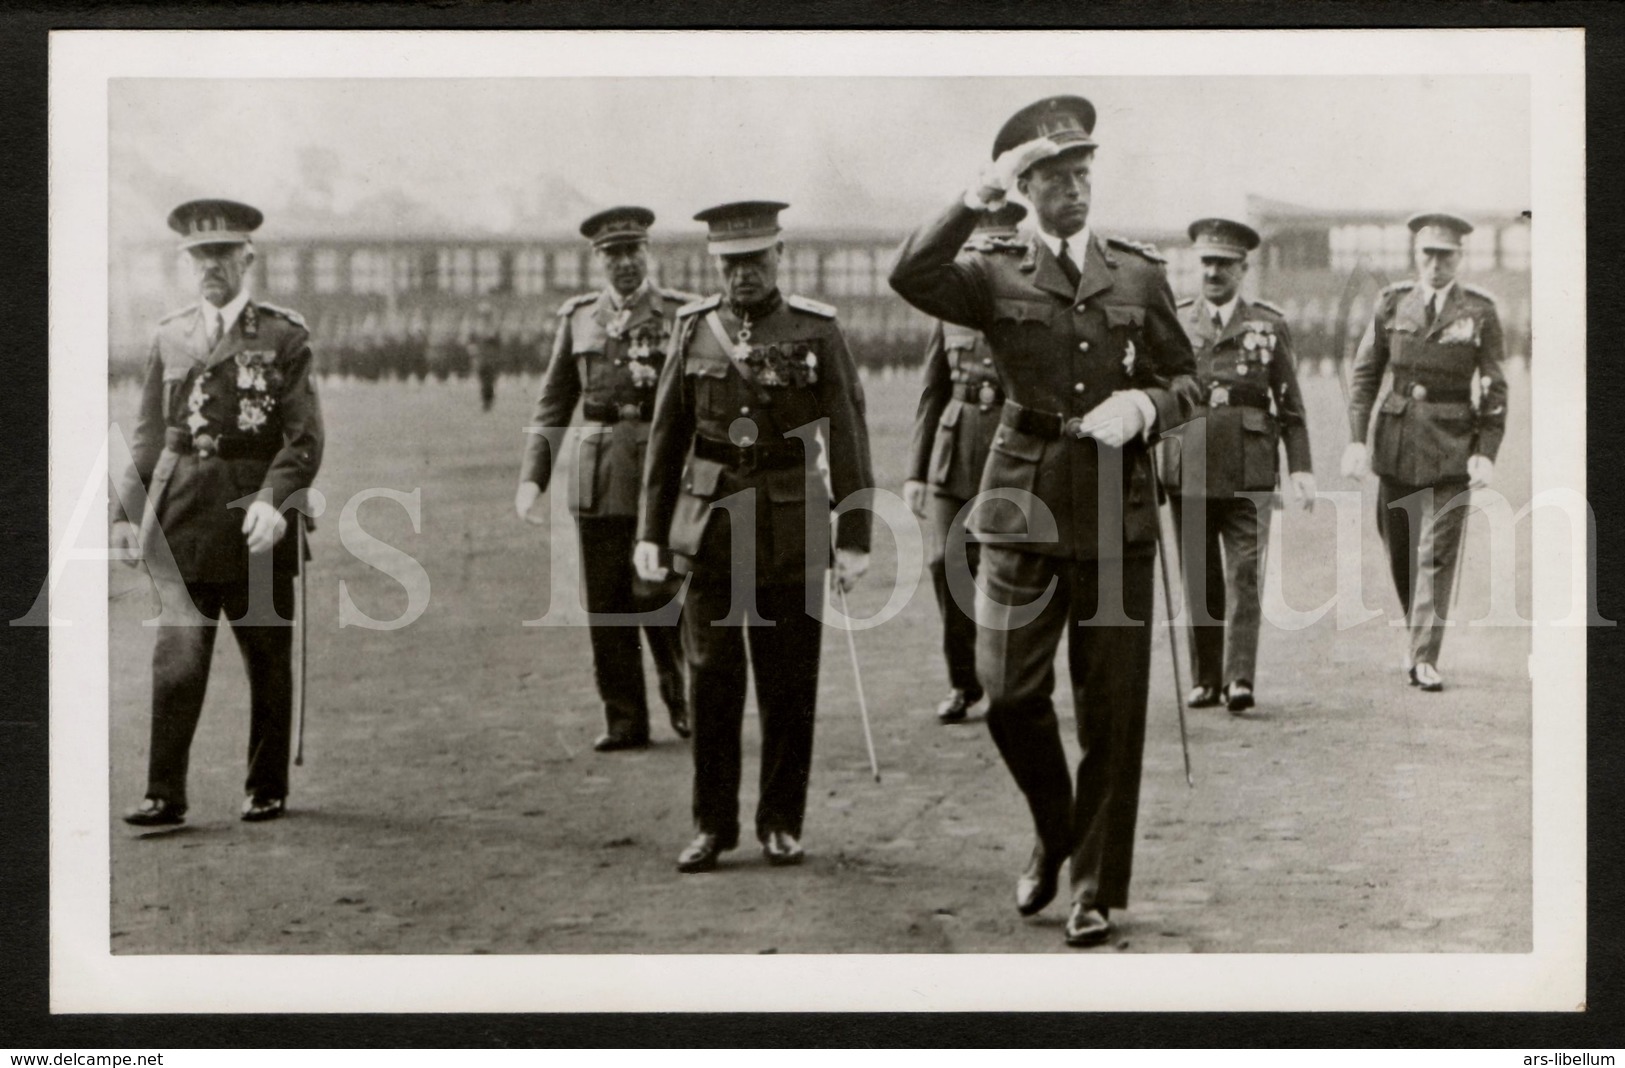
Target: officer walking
x=607 y=354
x=485 y=352
x=1087 y=342
x=953 y=427
x=228 y=416
x=1431 y=442
x=732 y=487
x=1249 y=379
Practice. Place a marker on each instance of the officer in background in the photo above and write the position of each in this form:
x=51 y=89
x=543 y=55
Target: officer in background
x=485 y=352
x=228 y=413
x=1087 y=342
x=1431 y=443
x=953 y=427
x=607 y=353
x=730 y=489
x=1249 y=380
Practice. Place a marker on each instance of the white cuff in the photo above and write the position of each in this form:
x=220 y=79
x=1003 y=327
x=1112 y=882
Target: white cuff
x=1147 y=409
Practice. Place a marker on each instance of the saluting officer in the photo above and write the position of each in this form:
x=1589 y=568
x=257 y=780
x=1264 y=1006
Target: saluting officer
x=228 y=415
x=1431 y=443
x=732 y=487
x=1087 y=342
x=953 y=428
x=607 y=354
x=1249 y=380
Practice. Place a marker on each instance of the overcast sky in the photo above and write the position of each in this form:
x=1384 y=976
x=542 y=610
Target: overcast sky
x=493 y=154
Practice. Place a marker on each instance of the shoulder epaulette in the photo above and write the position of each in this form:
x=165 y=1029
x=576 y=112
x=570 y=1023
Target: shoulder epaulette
x=1401 y=287
x=1187 y=302
x=177 y=313
x=1478 y=292
x=286 y=313
x=1267 y=306
x=704 y=304
x=576 y=301
x=810 y=306
x=994 y=243
x=678 y=295
x=1144 y=248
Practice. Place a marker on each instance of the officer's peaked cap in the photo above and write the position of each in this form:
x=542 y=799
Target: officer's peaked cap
x=741 y=226
x=1069 y=121
x=1222 y=239
x=618 y=226
x=214 y=222
x=1436 y=229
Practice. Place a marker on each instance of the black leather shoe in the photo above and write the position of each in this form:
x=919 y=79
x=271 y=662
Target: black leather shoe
x=1238 y=696
x=1427 y=677
x=1036 y=886
x=701 y=854
x=156 y=812
x=260 y=809
x=610 y=743
x=1087 y=926
x=957 y=704
x=782 y=849
x=1202 y=697
x=679 y=721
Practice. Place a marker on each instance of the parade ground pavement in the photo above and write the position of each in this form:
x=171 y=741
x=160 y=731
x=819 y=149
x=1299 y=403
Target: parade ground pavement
x=450 y=800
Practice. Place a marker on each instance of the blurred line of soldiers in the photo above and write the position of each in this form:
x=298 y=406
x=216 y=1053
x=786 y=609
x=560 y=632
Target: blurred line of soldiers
x=1062 y=367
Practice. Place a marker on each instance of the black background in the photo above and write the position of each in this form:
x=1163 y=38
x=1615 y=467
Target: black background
x=25 y=1021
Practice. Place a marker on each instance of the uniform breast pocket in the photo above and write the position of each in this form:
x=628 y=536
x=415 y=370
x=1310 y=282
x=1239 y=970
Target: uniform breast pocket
x=1013 y=462
x=1022 y=327
x=713 y=393
x=942 y=448
x=1258 y=449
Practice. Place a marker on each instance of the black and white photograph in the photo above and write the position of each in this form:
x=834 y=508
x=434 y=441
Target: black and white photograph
x=897 y=521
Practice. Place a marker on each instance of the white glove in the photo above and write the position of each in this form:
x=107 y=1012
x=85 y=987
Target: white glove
x=524 y=497
x=646 y=561
x=263 y=526
x=1356 y=463
x=1303 y=487
x=1115 y=421
x=1000 y=177
x=1480 y=472
x=126 y=542
x=914 y=496
x=849 y=567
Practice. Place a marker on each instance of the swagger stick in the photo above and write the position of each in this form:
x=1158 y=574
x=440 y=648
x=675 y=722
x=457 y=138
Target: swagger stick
x=1168 y=605
x=857 y=677
x=301 y=613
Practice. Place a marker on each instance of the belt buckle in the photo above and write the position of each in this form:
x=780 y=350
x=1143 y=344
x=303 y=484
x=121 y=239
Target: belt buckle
x=1419 y=392
x=1073 y=428
x=204 y=445
x=629 y=411
x=1219 y=397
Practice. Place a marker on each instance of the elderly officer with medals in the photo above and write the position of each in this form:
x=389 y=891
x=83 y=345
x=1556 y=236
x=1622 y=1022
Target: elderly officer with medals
x=229 y=433
x=732 y=488
x=607 y=354
x=1087 y=343
x=1249 y=376
x=953 y=429
x=1432 y=443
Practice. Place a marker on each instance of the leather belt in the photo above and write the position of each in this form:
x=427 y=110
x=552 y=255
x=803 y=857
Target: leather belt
x=984 y=394
x=1048 y=425
x=762 y=456
x=602 y=412
x=204 y=446
x=1233 y=396
x=1435 y=395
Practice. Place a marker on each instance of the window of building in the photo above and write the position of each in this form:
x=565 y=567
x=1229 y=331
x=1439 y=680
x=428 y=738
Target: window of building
x=804 y=271
x=530 y=271
x=1515 y=248
x=1478 y=249
x=407 y=271
x=566 y=270
x=369 y=271
x=455 y=270
x=488 y=270
x=849 y=273
x=326 y=264
x=282 y=271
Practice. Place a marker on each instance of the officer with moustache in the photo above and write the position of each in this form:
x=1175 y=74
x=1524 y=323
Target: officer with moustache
x=607 y=354
x=953 y=428
x=733 y=488
x=1432 y=443
x=1088 y=345
x=1249 y=381
x=229 y=436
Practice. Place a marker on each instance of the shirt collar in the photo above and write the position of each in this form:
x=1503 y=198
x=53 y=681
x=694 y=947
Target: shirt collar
x=619 y=302
x=229 y=313
x=1225 y=311
x=1077 y=246
x=1429 y=294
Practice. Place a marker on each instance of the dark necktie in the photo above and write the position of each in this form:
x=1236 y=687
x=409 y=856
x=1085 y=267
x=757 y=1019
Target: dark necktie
x=1218 y=323
x=1432 y=310
x=1069 y=268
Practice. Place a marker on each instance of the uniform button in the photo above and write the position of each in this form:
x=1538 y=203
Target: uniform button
x=1419 y=391
x=987 y=361
x=1083 y=346
x=744 y=409
x=1077 y=387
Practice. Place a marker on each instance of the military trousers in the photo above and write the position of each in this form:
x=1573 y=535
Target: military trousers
x=1110 y=667
x=1423 y=538
x=958 y=620
x=1219 y=553
x=783 y=658
x=611 y=586
x=180 y=678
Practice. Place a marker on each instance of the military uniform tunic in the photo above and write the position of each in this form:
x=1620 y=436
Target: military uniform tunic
x=954 y=426
x=1252 y=406
x=219 y=427
x=733 y=487
x=1060 y=350
x=609 y=359
x=1427 y=426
